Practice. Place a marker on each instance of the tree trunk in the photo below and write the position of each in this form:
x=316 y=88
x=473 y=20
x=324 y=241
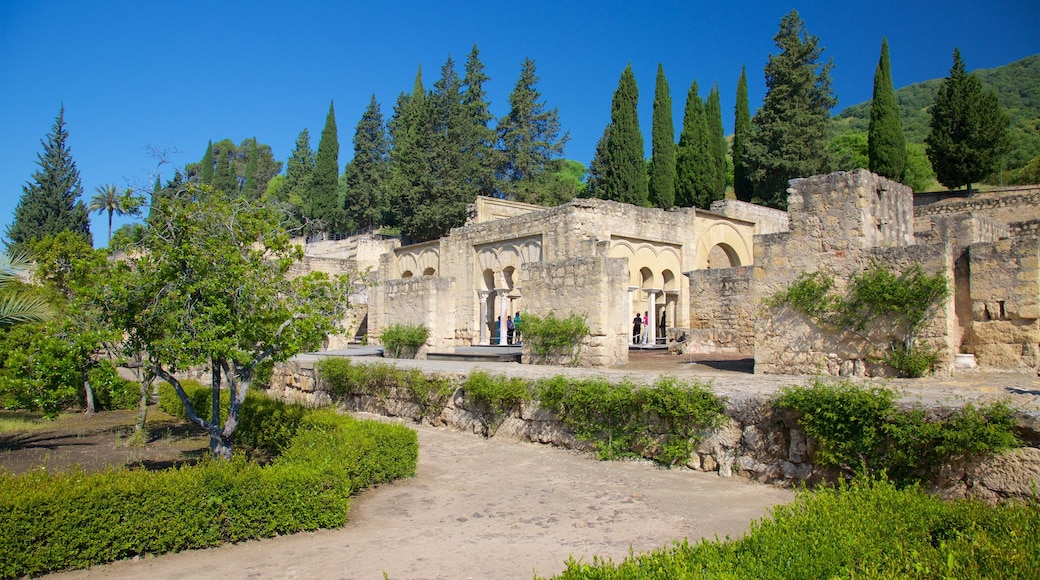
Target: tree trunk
x=89 y=393
x=142 y=403
x=220 y=445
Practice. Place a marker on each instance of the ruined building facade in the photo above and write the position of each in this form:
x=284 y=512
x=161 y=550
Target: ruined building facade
x=705 y=274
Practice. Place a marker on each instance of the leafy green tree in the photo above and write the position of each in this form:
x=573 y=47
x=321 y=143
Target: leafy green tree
x=848 y=151
x=885 y=140
x=83 y=281
x=322 y=206
x=206 y=172
x=211 y=289
x=367 y=173
x=50 y=200
x=662 y=160
x=530 y=144
x=695 y=168
x=741 y=133
x=716 y=141
x=291 y=194
x=618 y=171
x=110 y=200
x=919 y=175
x=969 y=129
x=789 y=133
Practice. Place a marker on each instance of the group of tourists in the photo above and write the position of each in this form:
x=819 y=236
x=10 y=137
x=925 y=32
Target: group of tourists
x=512 y=329
x=641 y=327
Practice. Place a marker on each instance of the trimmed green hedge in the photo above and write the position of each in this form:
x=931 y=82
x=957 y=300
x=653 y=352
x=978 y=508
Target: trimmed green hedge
x=75 y=520
x=864 y=530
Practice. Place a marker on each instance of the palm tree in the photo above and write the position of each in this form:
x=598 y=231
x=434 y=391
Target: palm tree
x=108 y=199
x=17 y=306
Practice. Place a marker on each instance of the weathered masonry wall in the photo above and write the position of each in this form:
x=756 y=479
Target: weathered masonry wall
x=722 y=316
x=1009 y=205
x=1005 y=303
x=588 y=287
x=755 y=442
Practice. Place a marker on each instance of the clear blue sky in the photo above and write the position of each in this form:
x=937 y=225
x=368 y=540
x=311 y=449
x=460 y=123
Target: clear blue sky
x=173 y=75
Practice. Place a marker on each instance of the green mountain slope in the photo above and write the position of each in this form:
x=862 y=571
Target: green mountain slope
x=1018 y=88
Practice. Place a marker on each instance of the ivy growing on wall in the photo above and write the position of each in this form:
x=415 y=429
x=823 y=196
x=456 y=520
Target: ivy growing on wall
x=884 y=309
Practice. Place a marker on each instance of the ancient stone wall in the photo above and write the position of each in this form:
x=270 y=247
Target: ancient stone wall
x=755 y=441
x=593 y=287
x=721 y=313
x=767 y=220
x=426 y=301
x=961 y=229
x=787 y=342
x=1007 y=205
x=851 y=210
x=1005 y=305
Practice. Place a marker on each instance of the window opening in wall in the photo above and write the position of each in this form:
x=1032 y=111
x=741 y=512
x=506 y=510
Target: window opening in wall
x=1000 y=303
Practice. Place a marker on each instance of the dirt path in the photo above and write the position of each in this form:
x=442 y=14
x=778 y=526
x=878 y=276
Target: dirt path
x=496 y=508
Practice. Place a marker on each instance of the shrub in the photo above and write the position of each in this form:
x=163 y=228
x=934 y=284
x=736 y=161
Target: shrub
x=861 y=430
x=495 y=397
x=404 y=340
x=75 y=520
x=555 y=339
x=863 y=530
x=662 y=422
x=880 y=308
x=430 y=393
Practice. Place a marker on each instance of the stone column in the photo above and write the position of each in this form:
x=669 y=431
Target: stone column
x=628 y=321
x=503 y=311
x=482 y=296
x=651 y=313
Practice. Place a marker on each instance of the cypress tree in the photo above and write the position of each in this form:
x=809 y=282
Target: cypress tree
x=716 y=142
x=298 y=172
x=224 y=178
x=695 y=178
x=789 y=133
x=250 y=188
x=50 y=201
x=662 y=160
x=741 y=131
x=529 y=143
x=368 y=171
x=886 y=145
x=322 y=205
x=206 y=173
x=969 y=130
x=620 y=171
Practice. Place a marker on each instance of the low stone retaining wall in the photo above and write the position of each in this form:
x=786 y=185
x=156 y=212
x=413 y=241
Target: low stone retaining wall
x=756 y=441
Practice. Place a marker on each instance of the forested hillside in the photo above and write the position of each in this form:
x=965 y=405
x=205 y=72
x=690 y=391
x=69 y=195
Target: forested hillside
x=1018 y=89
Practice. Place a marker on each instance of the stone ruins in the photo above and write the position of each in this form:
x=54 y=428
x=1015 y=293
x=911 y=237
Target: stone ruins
x=701 y=276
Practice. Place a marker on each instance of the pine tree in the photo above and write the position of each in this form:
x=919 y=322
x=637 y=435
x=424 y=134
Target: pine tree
x=411 y=137
x=479 y=137
x=695 y=166
x=886 y=145
x=529 y=144
x=298 y=172
x=322 y=206
x=251 y=187
x=662 y=160
x=741 y=131
x=206 y=173
x=619 y=172
x=50 y=201
x=368 y=172
x=789 y=133
x=716 y=142
x=969 y=130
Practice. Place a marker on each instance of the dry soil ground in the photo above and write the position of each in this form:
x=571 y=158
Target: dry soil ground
x=493 y=508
